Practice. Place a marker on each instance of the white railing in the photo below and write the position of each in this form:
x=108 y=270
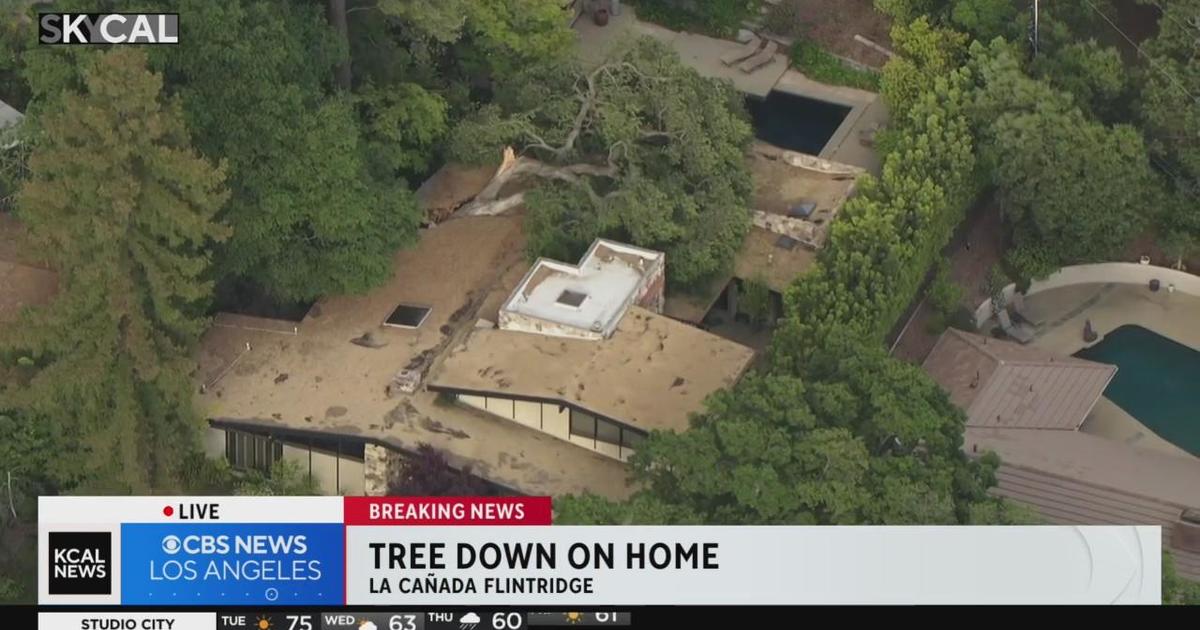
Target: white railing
x=1101 y=273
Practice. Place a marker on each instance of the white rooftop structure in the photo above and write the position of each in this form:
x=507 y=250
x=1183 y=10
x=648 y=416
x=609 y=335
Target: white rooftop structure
x=585 y=300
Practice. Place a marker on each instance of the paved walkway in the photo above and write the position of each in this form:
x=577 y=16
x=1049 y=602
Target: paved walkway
x=597 y=43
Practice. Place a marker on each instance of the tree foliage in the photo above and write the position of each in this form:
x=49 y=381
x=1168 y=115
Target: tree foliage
x=721 y=18
x=1170 y=114
x=403 y=127
x=1072 y=187
x=308 y=218
x=925 y=53
x=490 y=39
x=861 y=439
x=1177 y=591
x=1094 y=75
x=641 y=149
x=124 y=208
x=427 y=473
x=892 y=231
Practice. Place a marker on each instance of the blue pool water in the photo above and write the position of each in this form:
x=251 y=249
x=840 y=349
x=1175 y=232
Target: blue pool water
x=795 y=122
x=1157 y=382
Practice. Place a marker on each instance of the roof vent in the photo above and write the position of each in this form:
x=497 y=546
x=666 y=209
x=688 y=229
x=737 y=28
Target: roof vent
x=597 y=326
x=408 y=316
x=574 y=299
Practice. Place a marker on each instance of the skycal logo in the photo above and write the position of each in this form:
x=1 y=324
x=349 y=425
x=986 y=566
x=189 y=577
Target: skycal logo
x=80 y=563
x=108 y=28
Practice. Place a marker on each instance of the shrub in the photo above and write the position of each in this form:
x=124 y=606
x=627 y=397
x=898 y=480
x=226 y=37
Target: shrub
x=944 y=295
x=756 y=301
x=784 y=19
x=819 y=65
x=721 y=18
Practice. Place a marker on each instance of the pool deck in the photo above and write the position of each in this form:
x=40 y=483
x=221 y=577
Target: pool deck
x=849 y=143
x=702 y=53
x=1060 y=315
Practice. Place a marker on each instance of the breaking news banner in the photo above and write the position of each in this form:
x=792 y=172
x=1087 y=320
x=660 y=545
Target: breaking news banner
x=220 y=561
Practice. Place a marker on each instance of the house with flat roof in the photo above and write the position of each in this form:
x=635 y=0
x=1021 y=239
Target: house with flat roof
x=582 y=354
x=586 y=300
x=1028 y=405
x=461 y=350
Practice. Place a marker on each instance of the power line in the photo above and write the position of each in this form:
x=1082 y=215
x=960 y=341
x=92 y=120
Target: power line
x=1143 y=53
x=1177 y=21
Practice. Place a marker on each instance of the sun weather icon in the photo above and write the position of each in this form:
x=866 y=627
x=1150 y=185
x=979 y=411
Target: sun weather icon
x=574 y=617
x=263 y=623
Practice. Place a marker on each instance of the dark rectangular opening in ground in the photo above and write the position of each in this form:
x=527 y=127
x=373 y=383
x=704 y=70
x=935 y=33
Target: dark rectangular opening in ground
x=408 y=316
x=794 y=122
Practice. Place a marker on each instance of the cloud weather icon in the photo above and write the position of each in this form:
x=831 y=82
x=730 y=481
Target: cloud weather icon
x=468 y=621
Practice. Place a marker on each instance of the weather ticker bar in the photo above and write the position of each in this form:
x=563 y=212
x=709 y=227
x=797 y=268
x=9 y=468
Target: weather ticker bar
x=332 y=620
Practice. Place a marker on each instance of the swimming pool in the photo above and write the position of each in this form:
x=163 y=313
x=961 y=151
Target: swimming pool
x=1157 y=382
x=795 y=122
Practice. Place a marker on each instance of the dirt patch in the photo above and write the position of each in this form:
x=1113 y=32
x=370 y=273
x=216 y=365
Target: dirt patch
x=834 y=23
x=1147 y=244
x=972 y=254
x=433 y=426
x=779 y=186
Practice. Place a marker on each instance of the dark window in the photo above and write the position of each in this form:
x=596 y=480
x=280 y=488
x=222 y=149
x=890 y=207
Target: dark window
x=408 y=316
x=572 y=298
x=583 y=425
x=631 y=439
x=247 y=451
x=608 y=432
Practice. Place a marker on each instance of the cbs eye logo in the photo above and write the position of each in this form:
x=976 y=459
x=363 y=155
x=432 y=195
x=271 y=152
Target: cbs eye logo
x=171 y=545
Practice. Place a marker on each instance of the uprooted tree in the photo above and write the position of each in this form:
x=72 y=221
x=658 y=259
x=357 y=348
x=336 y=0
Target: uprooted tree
x=640 y=148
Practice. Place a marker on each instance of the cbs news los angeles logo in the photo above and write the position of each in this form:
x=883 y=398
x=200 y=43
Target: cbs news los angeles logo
x=108 y=28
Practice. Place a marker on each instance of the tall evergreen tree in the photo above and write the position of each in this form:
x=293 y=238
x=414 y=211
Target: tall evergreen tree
x=124 y=209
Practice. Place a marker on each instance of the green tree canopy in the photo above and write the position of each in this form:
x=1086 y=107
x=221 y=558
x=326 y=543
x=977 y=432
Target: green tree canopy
x=925 y=53
x=860 y=439
x=1170 y=115
x=889 y=234
x=1074 y=190
x=641 y=149
x=308 y=218
x=124 y=208
x=1094 y=75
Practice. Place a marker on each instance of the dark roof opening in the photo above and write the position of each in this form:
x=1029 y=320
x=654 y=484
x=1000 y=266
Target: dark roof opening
x=802 y=210
x=408 y=316
x=572 y=298
x=786 y=242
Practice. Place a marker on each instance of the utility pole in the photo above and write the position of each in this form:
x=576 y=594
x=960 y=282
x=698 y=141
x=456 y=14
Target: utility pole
x=1034 y=35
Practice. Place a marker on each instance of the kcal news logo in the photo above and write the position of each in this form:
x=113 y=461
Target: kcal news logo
x=108 y=28
x=80 y=563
